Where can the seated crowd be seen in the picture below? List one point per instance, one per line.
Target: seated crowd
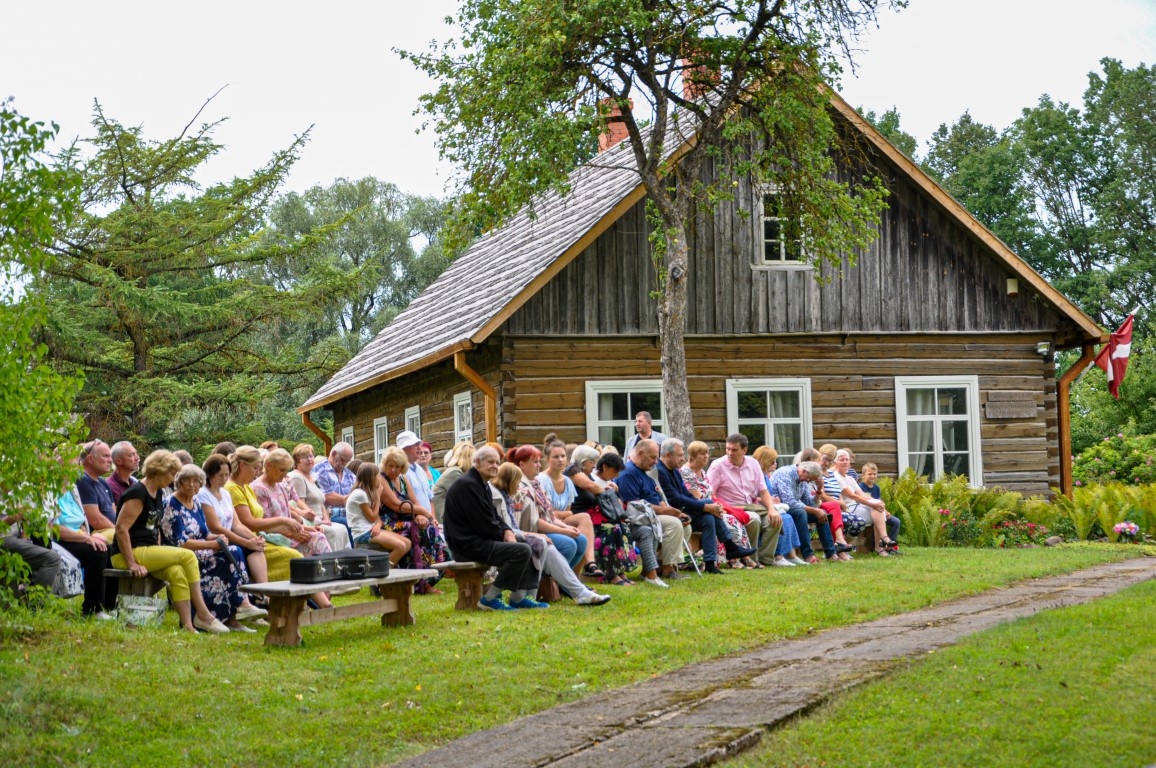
(567, 512)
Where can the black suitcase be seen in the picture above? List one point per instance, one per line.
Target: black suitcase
(332, 566)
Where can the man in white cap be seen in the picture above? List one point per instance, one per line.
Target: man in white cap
(415, 477)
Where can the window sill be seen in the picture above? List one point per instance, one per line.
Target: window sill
(784, 267)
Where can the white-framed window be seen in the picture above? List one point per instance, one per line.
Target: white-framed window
(347, 437)
(380, 438)
(774, 412)
(463, 417)
(611, 406)
(937, 425)
(782, 236)
(413, 419)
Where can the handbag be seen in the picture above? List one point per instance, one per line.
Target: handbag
(611, 506)
(277, 539)
(70, 578)
(141, 611)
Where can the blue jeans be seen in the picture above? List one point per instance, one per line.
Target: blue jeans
(713, 530)
(799, 516)
(789, 537)
(573, 550)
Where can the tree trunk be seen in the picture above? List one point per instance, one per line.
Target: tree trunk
(672, 339)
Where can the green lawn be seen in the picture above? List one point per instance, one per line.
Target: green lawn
(1071, 687)
(75, 692)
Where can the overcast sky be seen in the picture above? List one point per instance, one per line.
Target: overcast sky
(291, 65)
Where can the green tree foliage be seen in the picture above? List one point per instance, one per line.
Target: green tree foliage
(531, 83)
(888, 125)
(1072, 189)
(151, 293)
(1097, 415)
(984, 171)
(377, 233)
(37, 425)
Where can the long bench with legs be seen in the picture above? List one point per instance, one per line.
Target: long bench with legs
(287, 601)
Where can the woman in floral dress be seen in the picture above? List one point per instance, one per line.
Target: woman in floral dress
(400, 514)
(273, 498)
(183, 525)
(694, 475)
(614, 553)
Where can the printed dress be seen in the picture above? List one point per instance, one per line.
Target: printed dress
(220, 579)
(429, 545)
(614, 553)
(275, 502)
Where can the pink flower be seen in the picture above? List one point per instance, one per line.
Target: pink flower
(1078, 483)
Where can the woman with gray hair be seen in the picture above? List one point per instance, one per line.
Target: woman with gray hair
(222, 564)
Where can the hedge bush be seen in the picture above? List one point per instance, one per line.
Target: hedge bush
(1129, 460)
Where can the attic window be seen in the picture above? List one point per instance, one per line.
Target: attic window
(782, 236)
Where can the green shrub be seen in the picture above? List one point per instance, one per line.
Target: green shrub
(1014, 533)
(961, 528)
(1119, 459)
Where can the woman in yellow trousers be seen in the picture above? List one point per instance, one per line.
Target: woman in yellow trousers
(135, 546)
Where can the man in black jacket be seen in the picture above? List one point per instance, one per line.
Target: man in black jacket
(475, 531)
(705, 516)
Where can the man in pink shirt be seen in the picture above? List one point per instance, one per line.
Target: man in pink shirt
(737, 479)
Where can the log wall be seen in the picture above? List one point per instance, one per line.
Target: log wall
(923, 273)
(433, 390)
(852, 389)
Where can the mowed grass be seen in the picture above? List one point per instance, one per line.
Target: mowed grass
(1070, 687)
(83, 693)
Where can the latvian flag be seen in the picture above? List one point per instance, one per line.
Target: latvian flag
(1113, 357)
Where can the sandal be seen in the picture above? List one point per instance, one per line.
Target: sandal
(736, 565)
(883, 553)
(593, 571)
(753, 564)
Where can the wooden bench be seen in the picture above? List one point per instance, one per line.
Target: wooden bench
(145, 586)
(469, 577)
(287, 601)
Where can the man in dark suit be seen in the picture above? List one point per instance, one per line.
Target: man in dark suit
(475, 531)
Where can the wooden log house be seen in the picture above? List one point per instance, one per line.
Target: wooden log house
(935, 351)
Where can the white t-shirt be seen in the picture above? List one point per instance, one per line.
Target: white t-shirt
(358, 524)
(222, 506)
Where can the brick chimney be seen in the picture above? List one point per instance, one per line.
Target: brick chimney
(615, 131)
(697, 80)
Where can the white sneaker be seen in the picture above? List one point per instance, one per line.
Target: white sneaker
(591, 597)
(241, 628)
(783, 563)
(797, 561)
(103, 616)
(657, 582)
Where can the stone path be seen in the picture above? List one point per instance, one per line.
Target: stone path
(704, 712)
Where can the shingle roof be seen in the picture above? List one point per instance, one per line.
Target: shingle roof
(452, 312)
(497, 272)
